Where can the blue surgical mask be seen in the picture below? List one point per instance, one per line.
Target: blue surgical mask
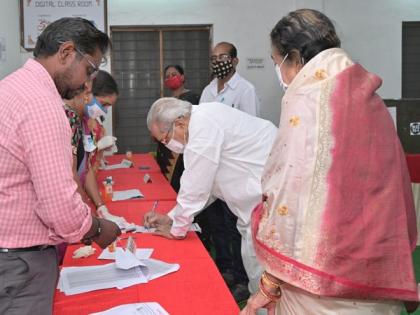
(280, 77)
(95, 109)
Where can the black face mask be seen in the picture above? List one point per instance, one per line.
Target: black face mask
(221, 69)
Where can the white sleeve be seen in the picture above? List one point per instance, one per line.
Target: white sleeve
(201, 159)
(249, 102)
(206, 96)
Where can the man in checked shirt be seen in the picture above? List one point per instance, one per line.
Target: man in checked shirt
(39, 205)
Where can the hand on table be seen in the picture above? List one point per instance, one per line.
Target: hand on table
(257, 301)
(152, 219)
(165, 231)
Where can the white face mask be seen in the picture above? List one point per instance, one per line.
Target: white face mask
(174, 145)
(283, 84)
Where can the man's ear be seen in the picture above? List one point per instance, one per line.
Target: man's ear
(66, 52)
(235, 61)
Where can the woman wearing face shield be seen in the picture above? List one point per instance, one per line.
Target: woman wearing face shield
(337, 227)
(86, 113)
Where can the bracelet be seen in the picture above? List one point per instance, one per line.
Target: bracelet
(270, 282)
(268, 295)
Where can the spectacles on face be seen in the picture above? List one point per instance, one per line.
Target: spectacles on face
(221, 57)
(93, 70)
(166, 138)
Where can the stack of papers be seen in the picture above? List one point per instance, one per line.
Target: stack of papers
(151, 308)
(123, 164)
(126, 194)
(75, 280)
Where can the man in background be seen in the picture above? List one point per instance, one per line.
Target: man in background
(229, 88)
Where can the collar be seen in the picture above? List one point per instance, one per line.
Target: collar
(232, 83)
(42, 75)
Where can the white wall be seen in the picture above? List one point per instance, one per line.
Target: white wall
(370, 31)
(246, 23)
(10, 31)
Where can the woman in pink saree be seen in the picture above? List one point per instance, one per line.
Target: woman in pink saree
(337, 226)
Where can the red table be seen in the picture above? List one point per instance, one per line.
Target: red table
(158, 189)
(140, 160)
(197, 288)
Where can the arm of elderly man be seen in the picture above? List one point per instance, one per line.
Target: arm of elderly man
(201, 159)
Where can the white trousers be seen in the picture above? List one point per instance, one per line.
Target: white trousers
(252, 267)
(295, 301)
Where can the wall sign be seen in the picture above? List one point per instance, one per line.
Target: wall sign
(35, 15)
(254, 63)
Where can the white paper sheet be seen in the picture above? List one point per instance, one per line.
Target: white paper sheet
(151, 308)
(127, 194)
(124, 259)
(141, 253)
(123, 164)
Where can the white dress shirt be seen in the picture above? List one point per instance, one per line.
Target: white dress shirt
(237, 93)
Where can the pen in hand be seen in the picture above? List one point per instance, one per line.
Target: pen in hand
(153, 211)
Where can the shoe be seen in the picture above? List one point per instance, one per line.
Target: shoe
(240, 292)
(229, 279)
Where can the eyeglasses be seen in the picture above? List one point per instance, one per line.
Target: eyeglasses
(221, 57)
(164, 139)
(93, 71)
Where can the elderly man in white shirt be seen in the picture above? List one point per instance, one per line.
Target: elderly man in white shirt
(224, 154)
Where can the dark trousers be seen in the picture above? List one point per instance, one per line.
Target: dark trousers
(27, 282)
(226, 240)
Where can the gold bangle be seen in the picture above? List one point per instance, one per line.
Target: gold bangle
(268, 295)
(271, 282)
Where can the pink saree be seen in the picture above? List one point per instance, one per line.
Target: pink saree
(339, 217)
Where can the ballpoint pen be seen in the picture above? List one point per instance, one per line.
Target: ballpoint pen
(153, 211)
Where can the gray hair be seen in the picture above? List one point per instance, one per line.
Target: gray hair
(304, 33)
(166, 110)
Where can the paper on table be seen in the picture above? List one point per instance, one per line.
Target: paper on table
(123, 164)
(124, 259)
(141, 253)
(74, 280)
(141, 229)
(127, 194)
(151, 308)
(154, 268)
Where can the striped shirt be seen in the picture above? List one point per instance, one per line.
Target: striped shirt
(38, 199)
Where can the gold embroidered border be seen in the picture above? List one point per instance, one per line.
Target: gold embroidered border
(316, 201)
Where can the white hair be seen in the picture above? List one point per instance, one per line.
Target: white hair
(166, 110)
